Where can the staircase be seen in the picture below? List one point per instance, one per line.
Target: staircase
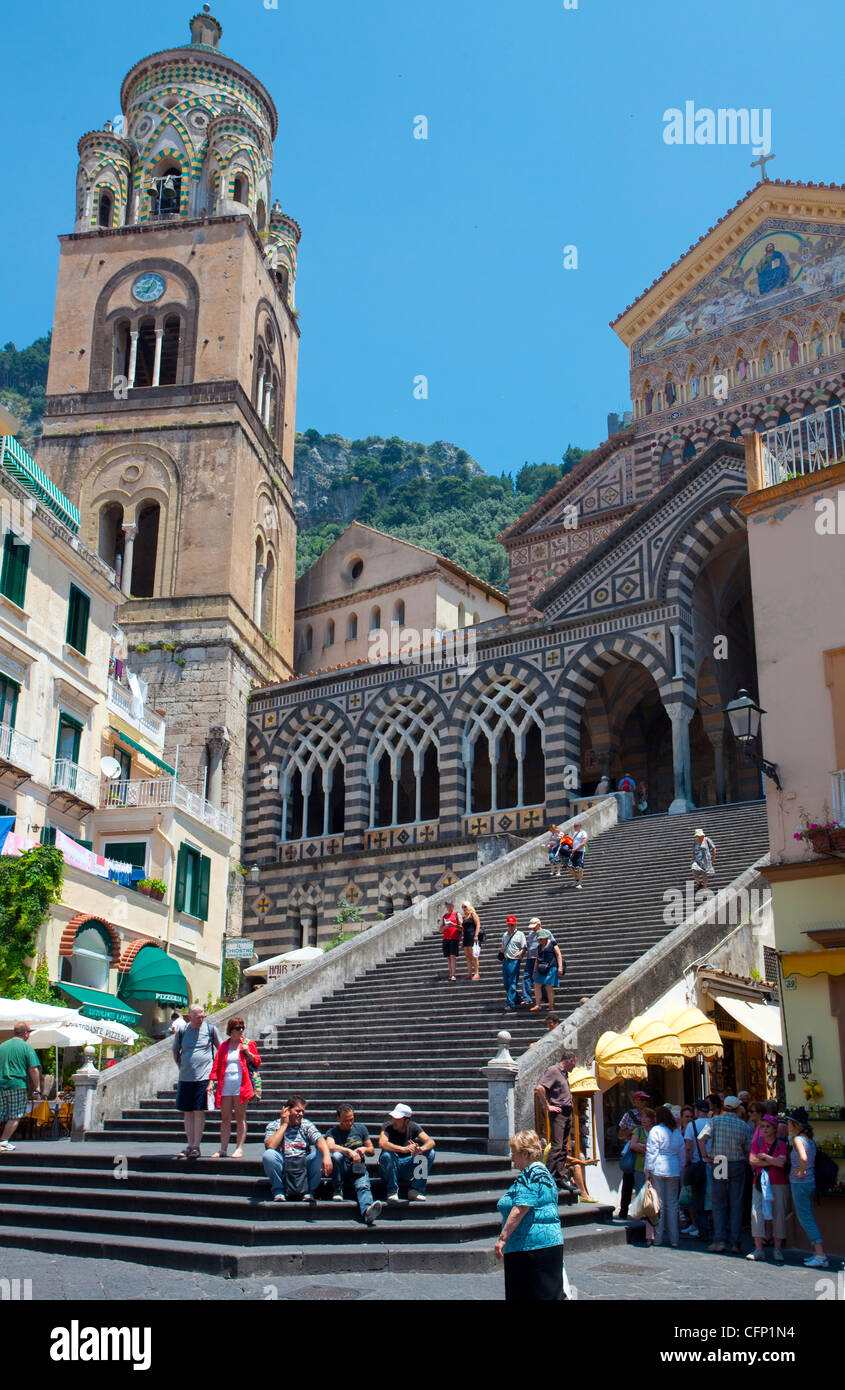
(399, 1032)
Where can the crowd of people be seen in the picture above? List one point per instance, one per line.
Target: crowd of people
(719, 1165)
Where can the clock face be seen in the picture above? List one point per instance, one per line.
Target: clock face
(148, 287)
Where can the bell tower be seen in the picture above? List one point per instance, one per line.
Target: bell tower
(172, 391)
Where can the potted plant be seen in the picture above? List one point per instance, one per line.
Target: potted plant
(152, 888)
(821, 835)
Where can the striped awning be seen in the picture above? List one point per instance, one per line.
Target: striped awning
(17, 461)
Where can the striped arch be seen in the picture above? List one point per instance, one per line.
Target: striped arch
(302, 715)
(487, 672)
(412, 688)
(685, 557)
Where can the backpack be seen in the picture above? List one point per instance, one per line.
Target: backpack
(826, 1171)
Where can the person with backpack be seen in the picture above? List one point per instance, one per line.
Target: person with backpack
(802, 1182)
(769, 1160)
(194, 1049)
(548, 969)
(232, 1075)
(554, 852)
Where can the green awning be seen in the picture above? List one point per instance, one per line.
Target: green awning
(154, 975)
(97, 1004)
(139, 748)
(17, 461)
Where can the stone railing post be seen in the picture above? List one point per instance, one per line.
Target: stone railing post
(501, 1074)
(84, 1088)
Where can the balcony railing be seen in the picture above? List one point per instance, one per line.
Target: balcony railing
(16, 749)
(165, 791)
(68, 777)
(151, 725)
(838, 789)
(803, 446)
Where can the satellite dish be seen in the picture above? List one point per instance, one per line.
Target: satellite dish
(110, 768)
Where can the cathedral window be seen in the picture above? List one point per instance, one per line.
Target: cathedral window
(240, 190)
(268, 595)
(169, 354)
(145, 551)
(313, 786)
(403, 765)
(329, 640)
(503, 749)
(145, 359)
(110, 544)
(165, 193)
(375, 619)
(105, 209)
(352, 627)
(399, 612)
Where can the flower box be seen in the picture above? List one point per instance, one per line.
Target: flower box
(837, 839)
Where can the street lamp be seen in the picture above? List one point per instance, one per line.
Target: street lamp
(744, 716)
(254, 875)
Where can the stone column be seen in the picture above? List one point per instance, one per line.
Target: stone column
(260, 571)
(259, 406)
(157, 361)
(501, 1075)
(133, 358)
(680, 716)
(217, 744)
(85, 1087)
(129, 533)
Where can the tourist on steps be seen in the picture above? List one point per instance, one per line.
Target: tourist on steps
(703, 859)
(548, 969)
(194, 1050)
(350, 1145)
(579, 849)
(554, 1083)
(231, 1073)
(554, 851)
(450, 927)
(471, 940)
(514, 947)
(296, 1156)
(406, 1154)
(530, 961)
(531, 1238)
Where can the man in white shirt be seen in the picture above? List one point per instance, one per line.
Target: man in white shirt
(576, 859)
(514, 947)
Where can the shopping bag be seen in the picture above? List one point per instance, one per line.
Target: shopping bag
(651, 1204)
(635, 1210)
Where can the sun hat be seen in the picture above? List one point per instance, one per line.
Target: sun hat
(731, 1103)
(401, 1112)
(543, 934)
(535, 922)
(699, 831)
(511, 922)
(798, 1115)
(641, 1095)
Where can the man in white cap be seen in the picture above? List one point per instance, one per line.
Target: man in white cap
(406, 1154)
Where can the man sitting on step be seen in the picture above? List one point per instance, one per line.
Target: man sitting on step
(407, 1153)
(349, 1145)
(296, 1156)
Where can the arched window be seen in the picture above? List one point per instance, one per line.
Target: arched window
(375, 619)
(313, 785)
(352, 627)
(261, 214)
(503, 749)
(329, 642)
(309, 638)
(399, 612)
(165, 192)
(105, 209)
(240, 189)
(403, 765)
(110, 543)
(89, 964)
(268, 594)
(169, 361)
(145, 552)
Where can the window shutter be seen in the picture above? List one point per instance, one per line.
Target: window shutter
(79, 606)
(181, 864)
(85, 844)
(48, 835)
(14, 571)
(204, 880)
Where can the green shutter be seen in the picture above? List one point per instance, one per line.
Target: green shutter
(85, 844)
(202, 896)
(9, 691)
(48, 835)
(132, 852)
(14, 570)
(65, 722)
(181, 869)
(79, 606)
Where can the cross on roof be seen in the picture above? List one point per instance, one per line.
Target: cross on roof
(762, 162)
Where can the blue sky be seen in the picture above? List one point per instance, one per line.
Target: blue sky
(444, 257)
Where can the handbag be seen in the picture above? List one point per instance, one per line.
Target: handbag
(628, 1159)
(254, 1073)
(651, 1204)
(635, 1210)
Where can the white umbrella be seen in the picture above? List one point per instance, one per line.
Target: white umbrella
(62, 1035)
(14, 1011)
(298, 957)
(108, 1029)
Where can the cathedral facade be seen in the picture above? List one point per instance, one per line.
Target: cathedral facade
(631, 622)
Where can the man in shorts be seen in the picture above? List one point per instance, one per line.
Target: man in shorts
(194, 1048)
(19, 1078)
(576, 858)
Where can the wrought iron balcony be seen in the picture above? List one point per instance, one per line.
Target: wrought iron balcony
(803, 446)
(162, 792)
(16, 750)
(74, 782)
(152, 726)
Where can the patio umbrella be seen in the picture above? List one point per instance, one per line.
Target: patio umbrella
(107, 1029)
(14, 1011)
(297, 957)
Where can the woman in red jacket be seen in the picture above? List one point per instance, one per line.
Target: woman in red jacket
(232, 1073)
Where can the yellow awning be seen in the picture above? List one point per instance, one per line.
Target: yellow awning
(582, 1082)
(811, 963)
(658, 1043)
(617, 1056)
(695, 1032)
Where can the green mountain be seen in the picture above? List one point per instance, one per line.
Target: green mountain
(434, 495)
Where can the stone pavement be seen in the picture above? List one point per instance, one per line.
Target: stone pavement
(630, 1272)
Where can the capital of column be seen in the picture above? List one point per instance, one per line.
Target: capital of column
(130, 530)
(218, 739)
(679, 712)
